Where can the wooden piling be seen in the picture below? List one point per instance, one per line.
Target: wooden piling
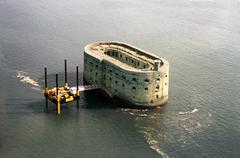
(77, 87)
(46, 87)
(65, 67)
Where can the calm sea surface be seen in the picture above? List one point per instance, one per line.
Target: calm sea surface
(200, 39)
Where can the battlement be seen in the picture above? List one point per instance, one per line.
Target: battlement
(127, 72)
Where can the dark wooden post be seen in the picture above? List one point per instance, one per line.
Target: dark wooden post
(57, 92)
(65, 66)
(77, 87)
(46, 87)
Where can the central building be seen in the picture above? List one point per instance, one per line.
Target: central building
(126, 74)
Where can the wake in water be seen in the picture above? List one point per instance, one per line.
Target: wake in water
(170, 128)
(25, 78)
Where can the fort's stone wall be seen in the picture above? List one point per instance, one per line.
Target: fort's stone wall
(147, 87)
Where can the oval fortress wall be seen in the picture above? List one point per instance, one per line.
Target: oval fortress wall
(136, 81)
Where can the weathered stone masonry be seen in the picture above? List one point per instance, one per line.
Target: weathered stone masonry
(126, 72)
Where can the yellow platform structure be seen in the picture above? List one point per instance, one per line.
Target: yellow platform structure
(59, 95)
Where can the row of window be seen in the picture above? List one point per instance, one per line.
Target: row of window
(115, 54)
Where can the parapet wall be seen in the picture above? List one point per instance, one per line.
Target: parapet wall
(141, 86)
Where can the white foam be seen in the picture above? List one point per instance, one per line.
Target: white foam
(25, 78)
(149, 135)
(194, 110)
(188, 112)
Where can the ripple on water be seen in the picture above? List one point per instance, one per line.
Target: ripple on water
(159, 129)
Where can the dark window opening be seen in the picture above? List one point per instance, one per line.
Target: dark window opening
(144, 66)
(132, 61)
(165, 83)
(137, 63)
(96, 73)
(116, 82)
(134, 88)
(120, 55)
(96, 66)
(134, 79)
(123, 85)
(146, 89)
(124, 77)
(110, 78)
(126, 58)
(146, 80)
(158, 79)
(157, 96)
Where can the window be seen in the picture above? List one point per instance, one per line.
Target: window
(146, 80)
(110, 78)
(157, 96)
(132, 61)
(144, 66)
(110, 70)
(108, 53)
(158, 79)
(105, 52)
(134, 79)
(137, 63)
(120, 55)
(126, 59)
(146, 88)
(96, 73)
(134, 88)
(96, 66)
(123, 85)
(123, 77)
(115, 82)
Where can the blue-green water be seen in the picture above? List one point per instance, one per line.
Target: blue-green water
(200, 39)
